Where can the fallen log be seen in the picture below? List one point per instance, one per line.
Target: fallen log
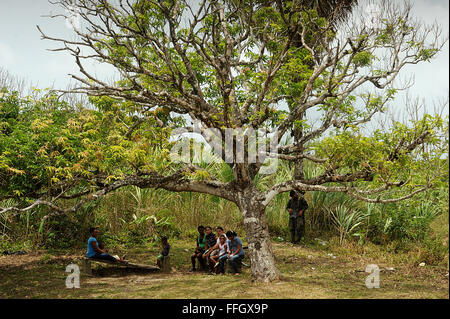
(88, 270)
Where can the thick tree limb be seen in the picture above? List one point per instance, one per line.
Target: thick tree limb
(177, 182)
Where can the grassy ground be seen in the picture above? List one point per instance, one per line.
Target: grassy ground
(310, 271)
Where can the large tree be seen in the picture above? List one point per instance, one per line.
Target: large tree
(237, 64)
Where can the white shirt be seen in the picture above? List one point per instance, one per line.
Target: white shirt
(222, 249)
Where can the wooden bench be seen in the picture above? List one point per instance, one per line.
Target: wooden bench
(87, 269)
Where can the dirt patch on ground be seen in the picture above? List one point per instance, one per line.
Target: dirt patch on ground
(18, 260)
(34, 258)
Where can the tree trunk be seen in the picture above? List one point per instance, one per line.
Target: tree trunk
(298, 164)
(259, 244)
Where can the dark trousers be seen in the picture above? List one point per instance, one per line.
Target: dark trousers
(297, 228)
(104, 257)
(234, 261)
(198, 255)
(222, 261)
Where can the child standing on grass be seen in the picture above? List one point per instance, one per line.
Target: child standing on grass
(164, 252)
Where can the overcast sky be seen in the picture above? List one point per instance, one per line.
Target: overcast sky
(24, 54)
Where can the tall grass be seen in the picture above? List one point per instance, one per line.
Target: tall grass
(346, 221)
(138, 215)
(140, 210)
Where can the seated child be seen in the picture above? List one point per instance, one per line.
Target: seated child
(214, 251)
(97, 251)
(214, 260)
(164, 252)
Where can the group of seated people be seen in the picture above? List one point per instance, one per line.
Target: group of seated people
(212, 252)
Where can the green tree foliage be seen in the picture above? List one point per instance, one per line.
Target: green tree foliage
(47, 143)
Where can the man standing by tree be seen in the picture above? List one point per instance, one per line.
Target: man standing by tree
(296, 207)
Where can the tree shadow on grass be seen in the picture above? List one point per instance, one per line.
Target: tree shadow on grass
(120, 272)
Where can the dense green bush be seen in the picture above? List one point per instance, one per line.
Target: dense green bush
(406, 220)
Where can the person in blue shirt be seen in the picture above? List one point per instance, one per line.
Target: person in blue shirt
(235, 253)
(95, 252)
